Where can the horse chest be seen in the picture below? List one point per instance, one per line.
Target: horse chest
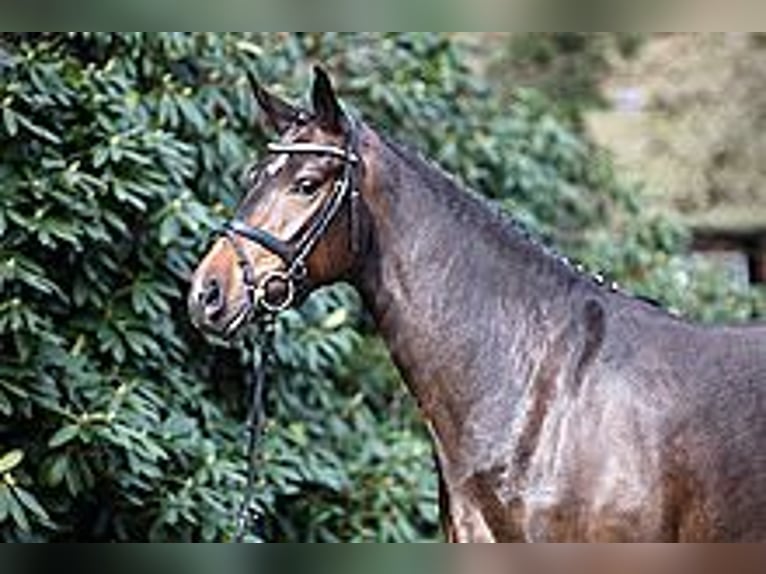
(570, 491)
(480, 512)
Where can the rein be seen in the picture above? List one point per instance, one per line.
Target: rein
(256, 419)
(294, 256)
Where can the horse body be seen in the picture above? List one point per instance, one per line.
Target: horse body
(559, 409)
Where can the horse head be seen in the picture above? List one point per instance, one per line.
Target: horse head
(297, 226)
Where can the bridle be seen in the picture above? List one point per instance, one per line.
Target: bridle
(295, 273)
(294, 255)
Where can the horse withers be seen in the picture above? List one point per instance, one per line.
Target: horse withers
(560, 410)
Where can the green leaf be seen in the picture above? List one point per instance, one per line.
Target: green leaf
(38, 130)
(169, 230)
(335, 319)
(32, 504)
(73, 480)
(9, 120)
(64, 435)
(18, 514)
(6, 407)
(14, 389)
(100, 155)
(56, 470)
(11, 460)
(5, 494)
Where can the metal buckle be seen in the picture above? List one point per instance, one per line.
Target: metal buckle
(262, 293)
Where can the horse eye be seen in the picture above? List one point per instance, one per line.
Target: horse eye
(307, 186)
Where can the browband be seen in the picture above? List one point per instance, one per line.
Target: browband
(307, 147)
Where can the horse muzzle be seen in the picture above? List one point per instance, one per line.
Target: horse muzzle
(216, 311)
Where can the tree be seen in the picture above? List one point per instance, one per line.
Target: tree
(568, 67)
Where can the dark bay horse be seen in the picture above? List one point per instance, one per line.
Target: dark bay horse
(559, 409)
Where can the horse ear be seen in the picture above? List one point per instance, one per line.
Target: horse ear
(327, 109)
(279, 114)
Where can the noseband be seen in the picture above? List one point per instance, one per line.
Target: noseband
(294, 254)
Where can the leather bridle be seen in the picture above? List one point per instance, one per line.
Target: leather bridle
(293, 275)
(294, 254)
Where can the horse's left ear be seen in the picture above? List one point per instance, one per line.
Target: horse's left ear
(327, 109)
(279, 114)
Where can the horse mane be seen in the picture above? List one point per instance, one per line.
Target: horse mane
(474, 208)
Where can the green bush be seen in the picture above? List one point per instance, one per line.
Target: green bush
(568, 67)
(121, 153)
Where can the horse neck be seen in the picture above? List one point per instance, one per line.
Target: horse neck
(464, 300)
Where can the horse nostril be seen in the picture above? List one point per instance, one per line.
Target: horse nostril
(212, 299)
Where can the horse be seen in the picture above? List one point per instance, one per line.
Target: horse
(559, 409)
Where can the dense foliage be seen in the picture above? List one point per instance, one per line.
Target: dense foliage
(120, 154)
(568, 67)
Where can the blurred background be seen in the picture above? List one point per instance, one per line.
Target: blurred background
(638, 155)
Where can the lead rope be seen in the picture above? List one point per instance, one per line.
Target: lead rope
(259, 363)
